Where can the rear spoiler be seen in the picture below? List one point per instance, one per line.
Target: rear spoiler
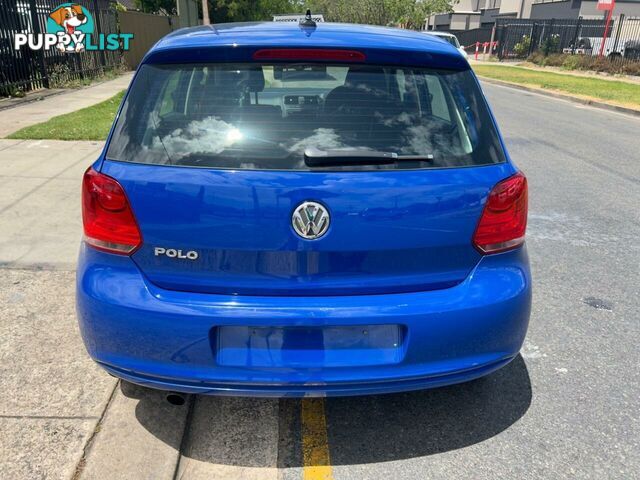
(245, 53)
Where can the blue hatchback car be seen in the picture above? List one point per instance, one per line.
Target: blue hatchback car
(300, 210)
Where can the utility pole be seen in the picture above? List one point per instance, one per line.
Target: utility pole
(205, 12)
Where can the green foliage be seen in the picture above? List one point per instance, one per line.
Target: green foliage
(551, 44)
(403, 13)
(568, 61)
(412, 13)
(522, 47)
(59, 74)
(571, 62)
(631, 68)
(537, 58)
(157, 6)
(554, 60)
(12, 91)
(601, 64)
(222, 11)
(612, 91)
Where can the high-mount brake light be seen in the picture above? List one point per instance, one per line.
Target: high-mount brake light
(319, 54)
(504, 219)
(109, 224)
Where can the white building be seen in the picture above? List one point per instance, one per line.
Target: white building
(470, 14)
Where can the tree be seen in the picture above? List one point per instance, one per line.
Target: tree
(403, 13)
(412, 13)
(166, 7)
(206, 18)
(252, 10)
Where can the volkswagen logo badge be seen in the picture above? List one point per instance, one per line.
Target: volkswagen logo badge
(310, 220)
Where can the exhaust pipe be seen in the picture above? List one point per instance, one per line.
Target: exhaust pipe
(175, 398)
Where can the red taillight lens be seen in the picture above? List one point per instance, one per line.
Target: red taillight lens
(309, 54)
(504, 219)
(109, 223)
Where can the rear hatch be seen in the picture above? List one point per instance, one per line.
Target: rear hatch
(216, 159)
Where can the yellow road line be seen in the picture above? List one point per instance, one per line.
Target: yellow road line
(315, 445)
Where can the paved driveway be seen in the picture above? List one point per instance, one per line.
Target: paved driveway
(566, 408)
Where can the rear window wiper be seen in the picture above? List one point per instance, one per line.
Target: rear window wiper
(314, 157)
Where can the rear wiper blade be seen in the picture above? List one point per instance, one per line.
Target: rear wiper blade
(314, 157)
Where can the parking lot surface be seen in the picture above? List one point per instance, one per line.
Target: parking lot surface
(567, 407)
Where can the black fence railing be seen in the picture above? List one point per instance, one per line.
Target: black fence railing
(469, 38)
(519, 38)
(26, 69)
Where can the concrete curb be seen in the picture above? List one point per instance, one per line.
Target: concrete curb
(563, 96)
(13, 102)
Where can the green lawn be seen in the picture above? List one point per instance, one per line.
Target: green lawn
(621, 93)
(91, 123)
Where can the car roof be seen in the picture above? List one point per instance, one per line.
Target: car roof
(253, 35)
(440, 34)
(288, 33)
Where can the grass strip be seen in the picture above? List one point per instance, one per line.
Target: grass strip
(90, 123)
(610, 91)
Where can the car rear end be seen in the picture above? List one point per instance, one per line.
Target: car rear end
(293, 217)
(452, 39)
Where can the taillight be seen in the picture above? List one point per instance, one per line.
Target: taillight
(504, 219)
(109, 224)
(309, 54)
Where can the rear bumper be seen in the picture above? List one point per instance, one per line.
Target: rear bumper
(171, 340)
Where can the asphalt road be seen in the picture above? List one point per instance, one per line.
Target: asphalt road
(568, 407)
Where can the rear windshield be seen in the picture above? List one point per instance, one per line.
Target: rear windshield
(266, 116)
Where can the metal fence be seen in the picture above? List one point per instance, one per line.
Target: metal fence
(26, 69)
(519, 38)
(469, 38)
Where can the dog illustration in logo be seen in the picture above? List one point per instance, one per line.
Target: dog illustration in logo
(69, 18)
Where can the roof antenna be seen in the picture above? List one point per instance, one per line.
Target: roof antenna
(308, 21)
